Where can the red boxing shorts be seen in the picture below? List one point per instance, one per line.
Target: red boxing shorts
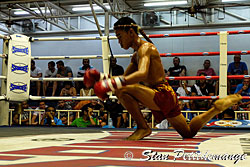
(166, 100)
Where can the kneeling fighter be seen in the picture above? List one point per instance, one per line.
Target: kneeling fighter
(144, 82)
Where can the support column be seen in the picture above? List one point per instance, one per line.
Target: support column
(4, 105)
(223, 65)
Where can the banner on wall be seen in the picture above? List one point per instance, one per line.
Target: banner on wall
(18, 75)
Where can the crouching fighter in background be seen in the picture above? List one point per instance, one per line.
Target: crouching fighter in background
(144, 82)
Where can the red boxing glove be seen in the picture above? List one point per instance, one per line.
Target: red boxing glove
(91, 76)
(102, 87)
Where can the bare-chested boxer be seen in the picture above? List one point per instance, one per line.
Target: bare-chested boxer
(144, 82)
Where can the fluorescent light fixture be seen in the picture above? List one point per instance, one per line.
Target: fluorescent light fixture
(22, 12)
(87, 7)
(169, 3)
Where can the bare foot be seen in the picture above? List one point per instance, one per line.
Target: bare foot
(139, 134)
(224, 103)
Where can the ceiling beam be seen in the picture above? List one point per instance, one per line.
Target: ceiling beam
(37, 15)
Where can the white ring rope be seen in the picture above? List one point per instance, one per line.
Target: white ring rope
(67, 97)
(67, 57)
(65, 39)
(2, 77)
(56, 79)
(2, 97)
(2, 56)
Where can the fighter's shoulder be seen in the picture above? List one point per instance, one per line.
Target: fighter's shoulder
(147, 48)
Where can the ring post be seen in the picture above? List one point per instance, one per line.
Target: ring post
(18, 75)
(4, 104)
(223, 65)
(105, 54)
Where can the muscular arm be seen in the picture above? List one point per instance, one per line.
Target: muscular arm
(131, 67)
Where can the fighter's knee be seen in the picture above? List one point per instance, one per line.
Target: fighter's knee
(121, 92)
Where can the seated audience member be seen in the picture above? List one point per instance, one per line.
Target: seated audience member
(24, 115)
(84, 91)
(68, 89)
(49, 117)
(62, 72)
(49, 73)
(35, 72)
(228, 114)
(115, 110)
(86, 118)
(115, 68)
(177, 70)
(81, 71)
(244, 90)
(94, 105)
(35, 117)
(201, 88)
(236, 68)
(241, 116)
(62, 105)
(207, 70)
(184, 90)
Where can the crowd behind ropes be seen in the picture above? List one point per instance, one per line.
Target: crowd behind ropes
(112, 108)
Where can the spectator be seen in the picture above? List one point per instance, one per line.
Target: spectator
(207, 70)
(177, 70)
(49, 117)
(64, 114)
(81, 71)
(115, 68)
(241, 116)
(68, 89)
(115, 110)
(236, 68)
(49, 73)
(24, 115)
(184, 90)
(244, 90)
(86, 118)
(201, 88)
(35, 117)
(62, 71)
(36, 72)
(95, 105)
(86, 91)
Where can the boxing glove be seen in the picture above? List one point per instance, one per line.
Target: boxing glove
(102, 87)
(91, 76)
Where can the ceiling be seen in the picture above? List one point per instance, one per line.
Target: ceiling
(59, 11)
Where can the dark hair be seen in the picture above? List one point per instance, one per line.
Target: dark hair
(33, 62)
(68, 83)
(52, 63)
(46, 109)
(60, 62)
(177, 58)
(125, 23)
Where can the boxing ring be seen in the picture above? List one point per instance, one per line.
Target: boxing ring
(58, 146)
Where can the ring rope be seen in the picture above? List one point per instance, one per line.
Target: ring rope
(65, 39)
(167, 78)
(114, 97)
(67, 57)
(244, 52)
(2, 56)
(150, 36)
